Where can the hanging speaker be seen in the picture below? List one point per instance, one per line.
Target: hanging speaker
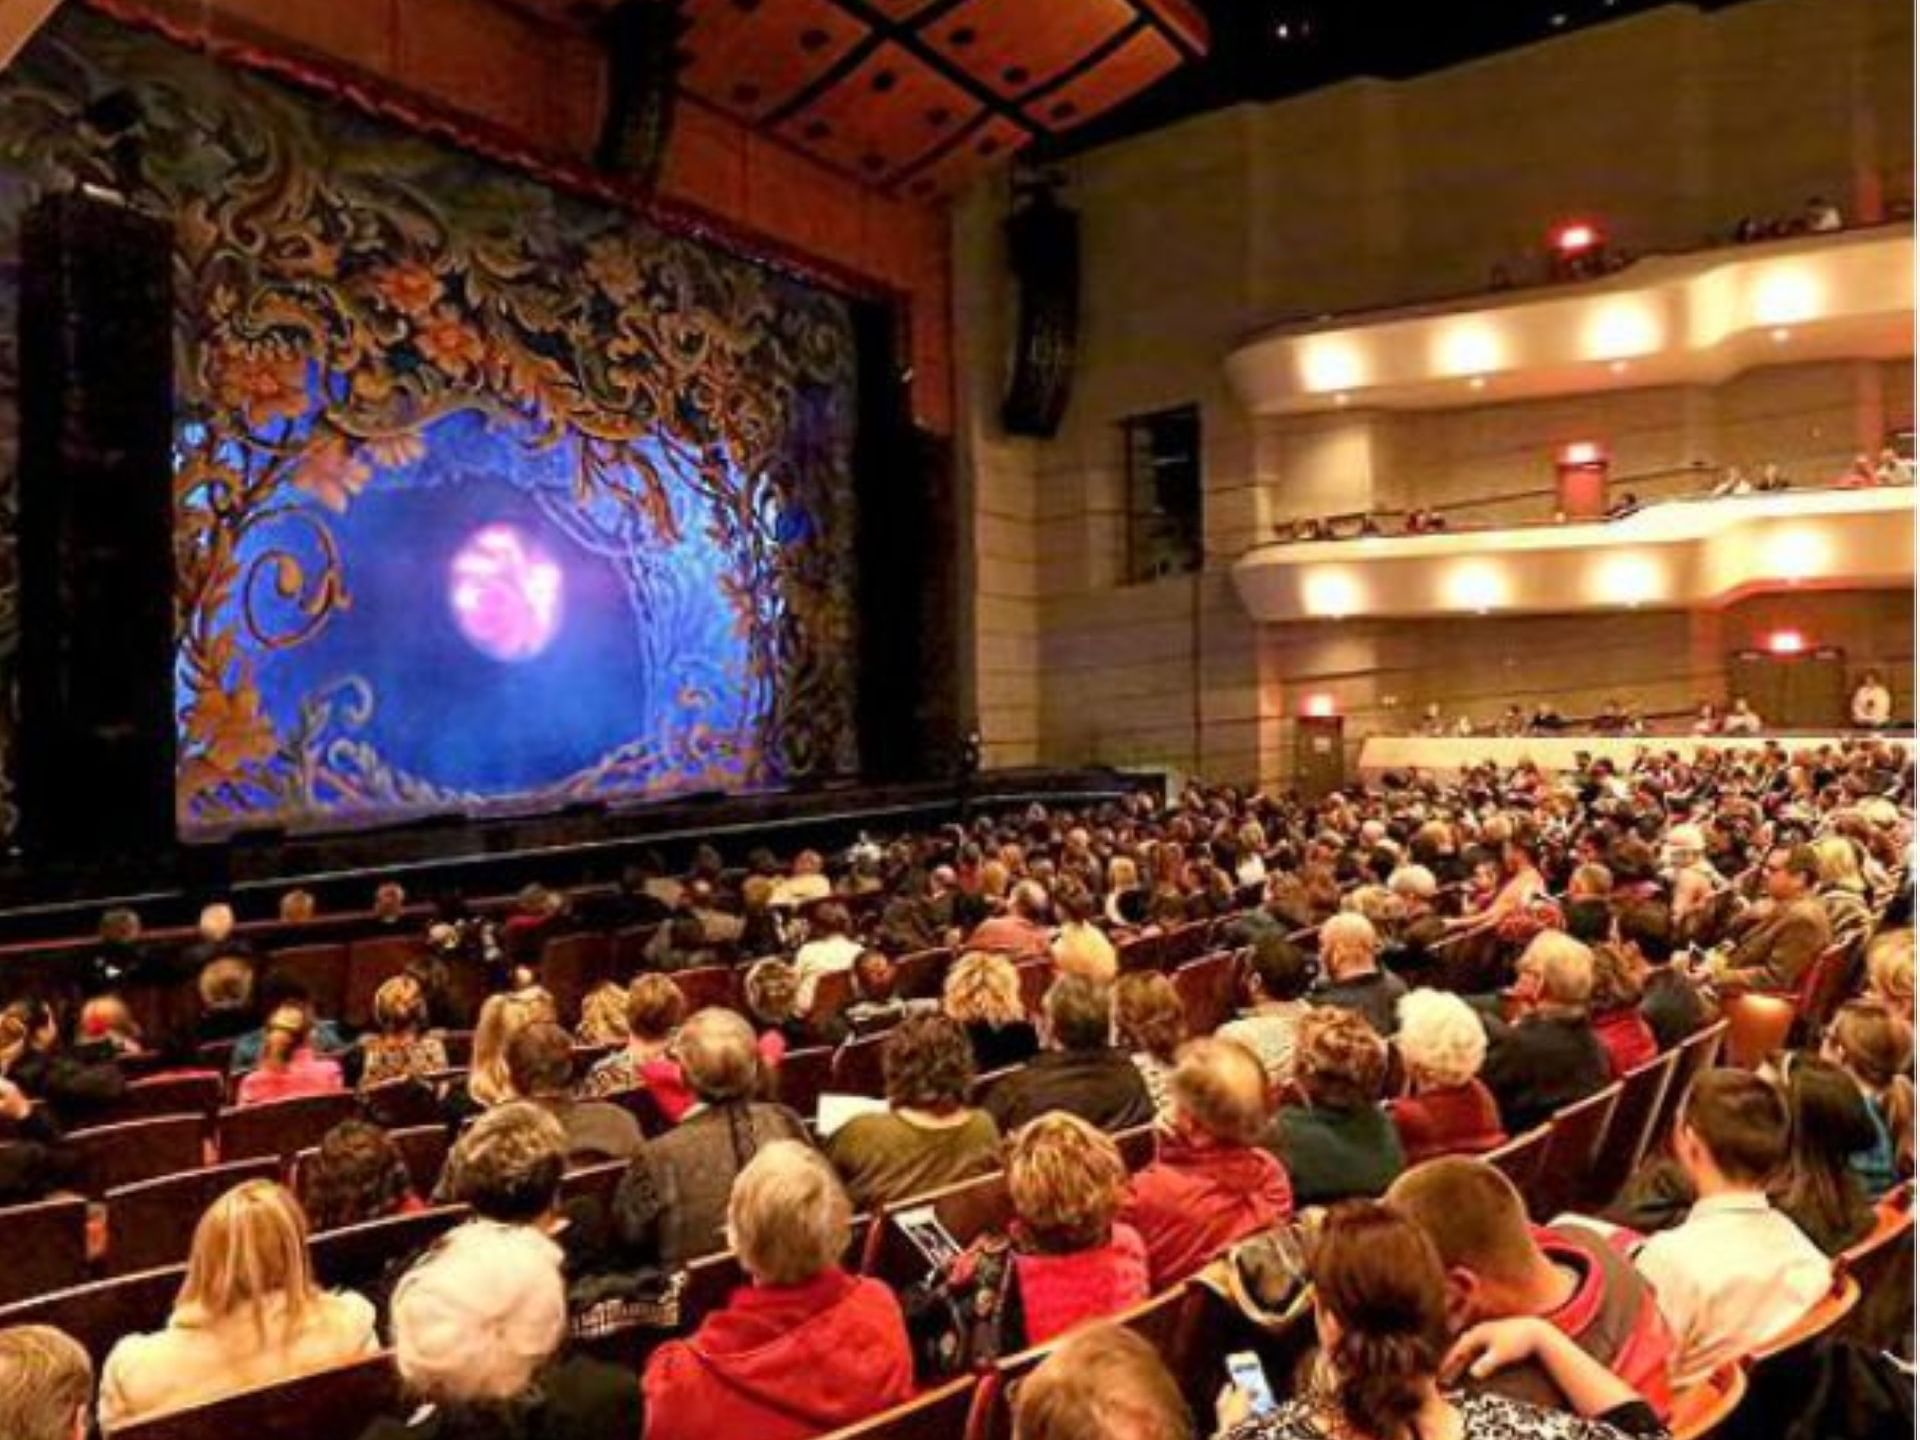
(642, 39)
(96, 530)
(1043, 249)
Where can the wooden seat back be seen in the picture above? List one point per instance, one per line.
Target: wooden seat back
(46, 1247)
(324, 1405)
(1574, 1136)
(150, 1222)
(108, 1156)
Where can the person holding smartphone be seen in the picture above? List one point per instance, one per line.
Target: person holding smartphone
(1386, 1370)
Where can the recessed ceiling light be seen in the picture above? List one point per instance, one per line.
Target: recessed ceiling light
(1781, 334)
(1342, 398)
(1283, 31)
(1557, 21)
(1478, 382)
(1618, 367)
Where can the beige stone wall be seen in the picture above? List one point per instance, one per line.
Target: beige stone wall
(1666, 127)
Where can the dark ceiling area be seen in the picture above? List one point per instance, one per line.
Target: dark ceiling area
(1271, 49)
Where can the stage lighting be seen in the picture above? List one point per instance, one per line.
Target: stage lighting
(1786, 642)
(505, 592)
(1575, 238)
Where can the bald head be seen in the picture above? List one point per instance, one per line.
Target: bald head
(1348, 945)
(716, 1049)
(1219, 1088)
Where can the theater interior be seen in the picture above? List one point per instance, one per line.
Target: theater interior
(996, 719)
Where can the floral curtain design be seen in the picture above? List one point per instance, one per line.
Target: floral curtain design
(373, 328)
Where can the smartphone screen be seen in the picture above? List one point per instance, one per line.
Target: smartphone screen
(1250, 1379)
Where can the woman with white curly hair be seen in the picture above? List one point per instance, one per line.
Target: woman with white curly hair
(1447, 1111)
(476, 1327)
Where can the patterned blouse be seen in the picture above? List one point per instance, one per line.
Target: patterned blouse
(386, 1060)
(1482, 1417)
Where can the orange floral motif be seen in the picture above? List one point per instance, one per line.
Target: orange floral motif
(449, 342)
(264, 383)
(410, 288)
(231, 728)
(332, 474)
(610, 265)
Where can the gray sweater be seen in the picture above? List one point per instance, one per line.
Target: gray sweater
(672, 1203)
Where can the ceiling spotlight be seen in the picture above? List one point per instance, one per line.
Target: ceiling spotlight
(1559, 19)
(1283, 31)
(1781, 334)
(1618, 367)
(1478, 382)
(1342, 399)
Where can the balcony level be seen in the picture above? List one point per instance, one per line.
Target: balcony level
(1687, 319)
(1673, 555)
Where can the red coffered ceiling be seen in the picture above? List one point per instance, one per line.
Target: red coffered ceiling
(913, 96)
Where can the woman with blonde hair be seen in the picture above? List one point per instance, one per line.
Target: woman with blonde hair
(403, 1045)
(603, 1016)
(1890, 971)
(502, 1017)
(982, 992)
(1842, 891)
(288, 1067)
(249, 1314)
(1123, 879)
(1073, 1260)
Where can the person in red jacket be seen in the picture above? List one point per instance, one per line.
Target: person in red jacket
(806, 1348)
(1209, 1184)
(1499, 1266)
(1615, 1008)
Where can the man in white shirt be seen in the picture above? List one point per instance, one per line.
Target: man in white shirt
(1736, 1273)
(833, 951)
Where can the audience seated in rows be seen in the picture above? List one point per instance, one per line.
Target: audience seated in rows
(1335, 1140)
(671, 1206)
(355, 1175)
(805, 1347)
(1380, 1313)
(1498, 1266)
(1149, 1022)
(1273, 991)
(982, 992)
(248, 1314)
(478, 1331)
(1447, 1110)
(1209, 1184)
(540, 1068)
(930, 1136)
(1080, 1071)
